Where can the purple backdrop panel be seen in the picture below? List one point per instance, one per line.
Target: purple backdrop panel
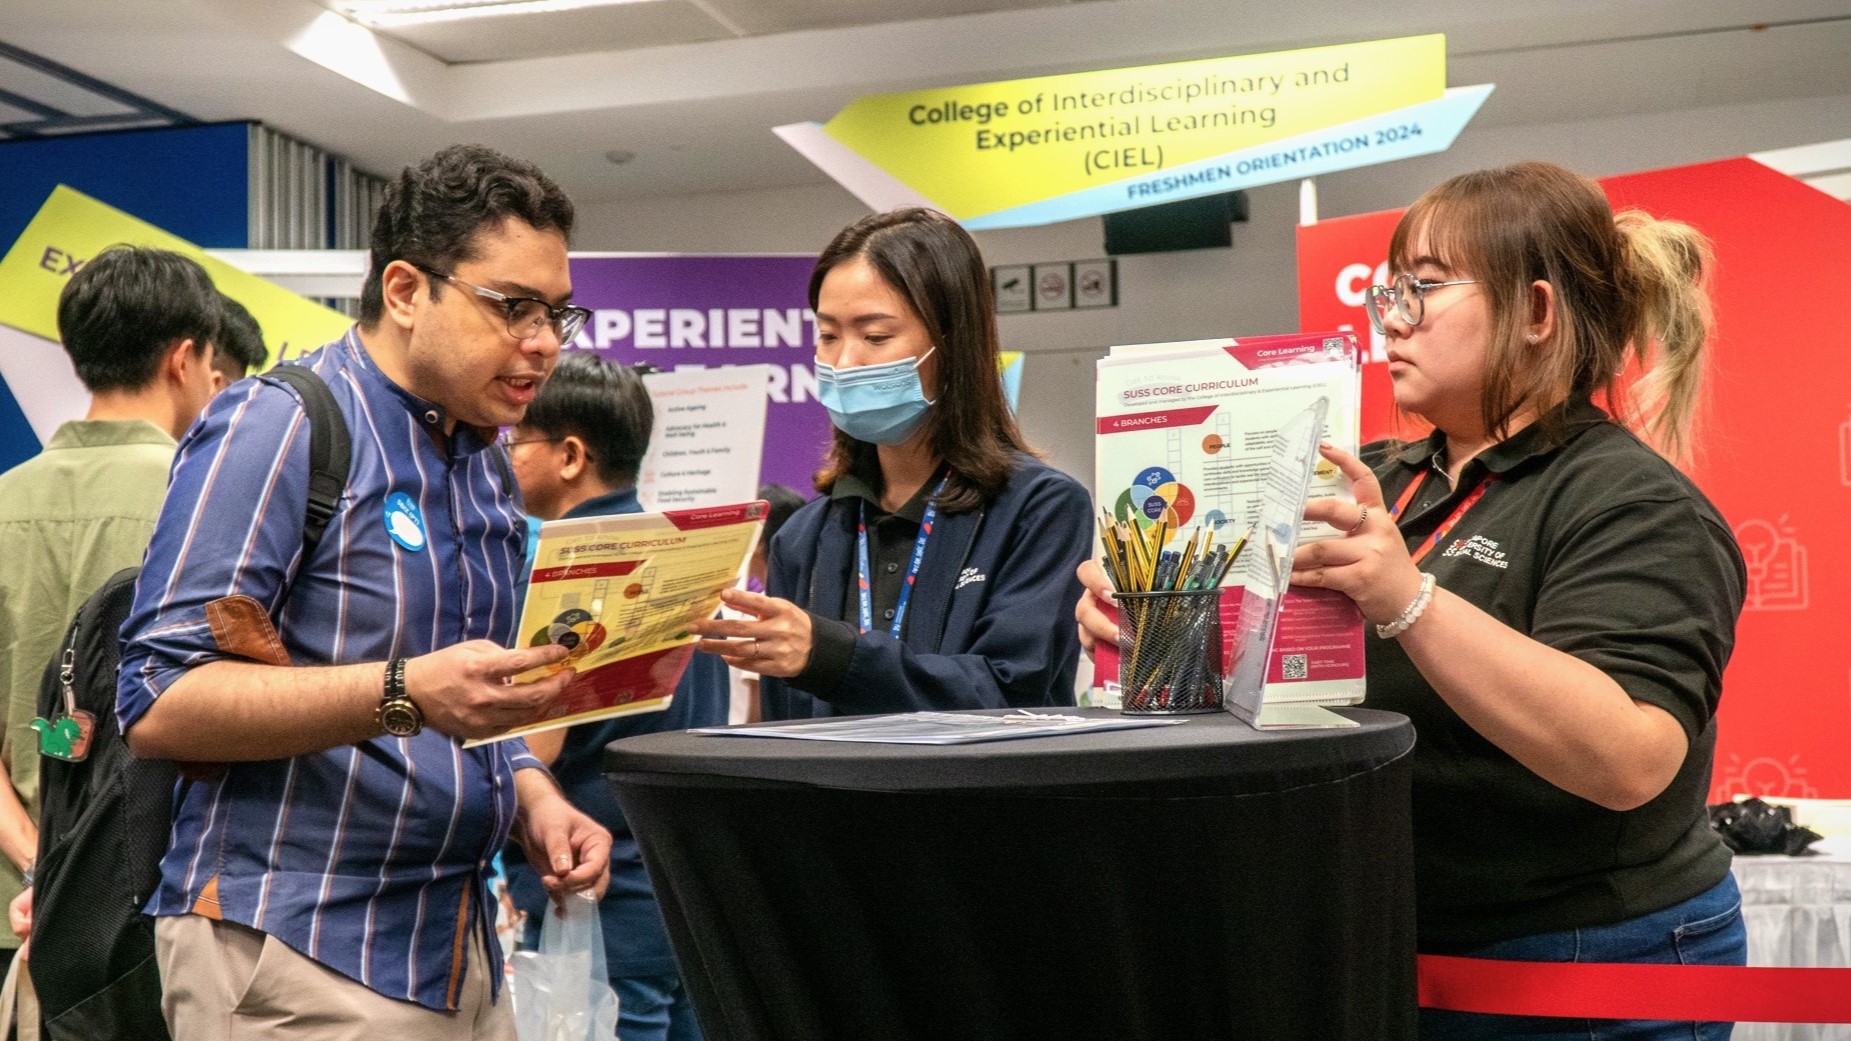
(681, 312)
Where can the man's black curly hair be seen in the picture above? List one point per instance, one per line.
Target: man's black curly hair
(431, 213)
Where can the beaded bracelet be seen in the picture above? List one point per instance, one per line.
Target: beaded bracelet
(1411, 613)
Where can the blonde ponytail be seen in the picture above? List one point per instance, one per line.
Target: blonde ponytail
(1669, 334)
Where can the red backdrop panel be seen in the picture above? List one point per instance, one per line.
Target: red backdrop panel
(1775, 447)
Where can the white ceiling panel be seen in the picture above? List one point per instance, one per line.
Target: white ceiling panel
(49, 90)
(764, 17)
(619, 27)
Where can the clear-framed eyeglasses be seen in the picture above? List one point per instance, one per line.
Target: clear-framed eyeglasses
(1407, 298)
(527, 315)
(508, 441)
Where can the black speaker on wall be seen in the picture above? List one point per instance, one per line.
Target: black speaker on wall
(1203, 223)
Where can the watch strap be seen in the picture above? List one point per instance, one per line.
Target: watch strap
(395, 680)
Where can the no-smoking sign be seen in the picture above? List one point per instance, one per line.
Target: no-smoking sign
(1053, 287)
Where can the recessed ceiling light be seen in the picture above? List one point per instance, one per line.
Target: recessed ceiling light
(389, 13)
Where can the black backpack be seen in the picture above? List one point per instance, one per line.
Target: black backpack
(104, 820)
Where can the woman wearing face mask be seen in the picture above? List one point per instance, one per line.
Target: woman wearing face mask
(1552, 601)
(921, 578)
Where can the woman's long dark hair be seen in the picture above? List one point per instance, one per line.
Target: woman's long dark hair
(932, 262)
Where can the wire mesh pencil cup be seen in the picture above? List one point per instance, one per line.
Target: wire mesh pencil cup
(1170, 657)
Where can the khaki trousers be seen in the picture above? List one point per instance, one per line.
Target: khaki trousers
(225, 982)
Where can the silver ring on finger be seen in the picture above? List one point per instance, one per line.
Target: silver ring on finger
(1361, 519)
(754, 655)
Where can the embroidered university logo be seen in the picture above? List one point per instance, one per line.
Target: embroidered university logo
(1479, 548)
(969, 576)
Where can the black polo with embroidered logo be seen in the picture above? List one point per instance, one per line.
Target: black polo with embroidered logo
(1598, 547)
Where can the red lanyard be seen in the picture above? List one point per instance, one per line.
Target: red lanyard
(1439, 533)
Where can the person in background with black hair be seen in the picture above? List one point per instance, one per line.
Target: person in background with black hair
(922, 578)
(784, 503)
(239, 350)
(139, 325)
(577, 454)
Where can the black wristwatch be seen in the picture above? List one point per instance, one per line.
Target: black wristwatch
(398, 714)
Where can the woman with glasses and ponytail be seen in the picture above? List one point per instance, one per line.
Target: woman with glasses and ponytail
(922, 577)
(1551, 600)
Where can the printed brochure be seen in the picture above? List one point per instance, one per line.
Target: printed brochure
(1186, 434)
(620, 592)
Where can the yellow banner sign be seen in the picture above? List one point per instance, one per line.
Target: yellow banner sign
(994, 147)
(72, 227)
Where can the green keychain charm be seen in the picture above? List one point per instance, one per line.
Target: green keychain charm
(66, 737)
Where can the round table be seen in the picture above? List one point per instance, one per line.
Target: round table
(1180, 883)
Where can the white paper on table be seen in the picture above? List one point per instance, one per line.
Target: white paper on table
(942, 728)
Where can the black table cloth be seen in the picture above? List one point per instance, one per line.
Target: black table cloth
(1178, 883)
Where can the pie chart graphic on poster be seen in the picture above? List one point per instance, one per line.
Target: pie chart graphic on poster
(1156, 495)
(574, 629)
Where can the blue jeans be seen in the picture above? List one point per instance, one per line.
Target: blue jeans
(654, 1008)
(1704, 930)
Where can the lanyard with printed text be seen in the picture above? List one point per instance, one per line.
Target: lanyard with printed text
(1439, 533)
(865, 578)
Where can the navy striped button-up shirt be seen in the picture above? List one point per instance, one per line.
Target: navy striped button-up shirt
(371, 858)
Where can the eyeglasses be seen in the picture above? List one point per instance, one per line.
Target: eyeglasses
(1407, 298)
(506, 437)
(527, 315)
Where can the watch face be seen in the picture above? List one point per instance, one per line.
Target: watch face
(401, 717)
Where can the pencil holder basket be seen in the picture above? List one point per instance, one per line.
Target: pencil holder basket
(1170, 657)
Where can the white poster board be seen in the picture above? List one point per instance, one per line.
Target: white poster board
(709, 437)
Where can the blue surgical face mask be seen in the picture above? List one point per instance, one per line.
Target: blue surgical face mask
(880, 404)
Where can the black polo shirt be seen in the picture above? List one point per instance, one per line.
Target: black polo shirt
(1597, 547)
(891, 538)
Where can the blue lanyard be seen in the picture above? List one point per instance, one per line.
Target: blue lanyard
(864, 580)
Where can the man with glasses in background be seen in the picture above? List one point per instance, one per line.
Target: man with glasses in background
(326, 879)
(577, 453)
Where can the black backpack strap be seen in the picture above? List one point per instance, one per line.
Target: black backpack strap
(330, 448)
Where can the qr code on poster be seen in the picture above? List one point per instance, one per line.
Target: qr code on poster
(1295, 666)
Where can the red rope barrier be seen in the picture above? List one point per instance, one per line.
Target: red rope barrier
(1706, 993)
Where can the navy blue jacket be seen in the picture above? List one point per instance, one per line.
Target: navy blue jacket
(990, 623)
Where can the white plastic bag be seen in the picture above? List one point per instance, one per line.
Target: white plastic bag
(562, 992)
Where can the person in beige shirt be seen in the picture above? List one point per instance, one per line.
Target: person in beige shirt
(152, 340)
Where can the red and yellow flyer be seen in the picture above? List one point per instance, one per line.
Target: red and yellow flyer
(620, 592)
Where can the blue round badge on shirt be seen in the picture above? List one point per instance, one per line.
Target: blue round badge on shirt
(403, 522)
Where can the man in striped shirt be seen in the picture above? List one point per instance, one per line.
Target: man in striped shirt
(326, 880)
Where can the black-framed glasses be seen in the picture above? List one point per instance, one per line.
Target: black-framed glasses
(1407, 298)
(527, 315)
